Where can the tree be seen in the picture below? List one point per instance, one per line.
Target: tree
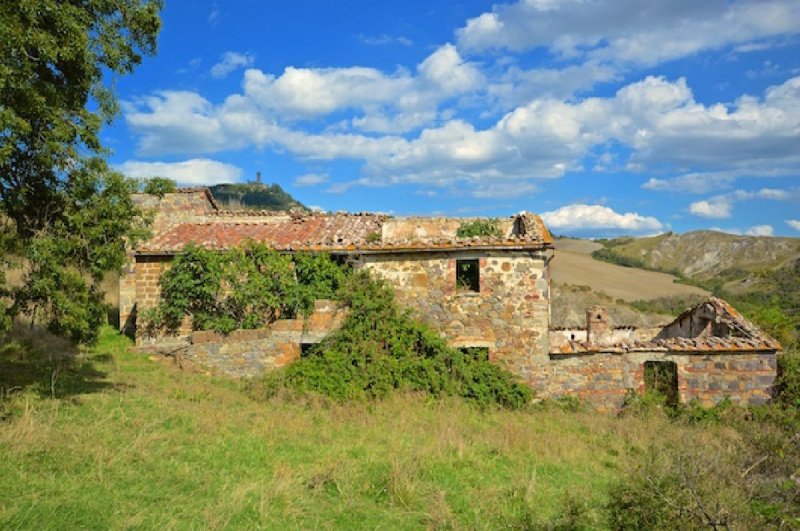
(159, 186)
(65, 216)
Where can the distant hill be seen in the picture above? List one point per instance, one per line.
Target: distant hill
(574, 265)
(703, 255)
(758, 275)
(255, 196)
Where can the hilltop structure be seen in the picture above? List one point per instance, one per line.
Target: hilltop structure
(490, 293)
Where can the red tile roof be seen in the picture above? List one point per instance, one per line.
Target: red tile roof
(340, 232)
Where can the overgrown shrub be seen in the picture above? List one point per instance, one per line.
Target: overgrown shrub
(159, 186)
(739, 470)
(787, 385)
(246, 287)
(606, 254)
(479, 228)
(381, 348)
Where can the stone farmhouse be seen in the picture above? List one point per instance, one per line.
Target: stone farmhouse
(484, 292)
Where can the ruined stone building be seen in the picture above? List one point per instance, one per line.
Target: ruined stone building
(485, 292)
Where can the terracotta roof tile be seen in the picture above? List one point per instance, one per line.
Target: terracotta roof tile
(296, 231)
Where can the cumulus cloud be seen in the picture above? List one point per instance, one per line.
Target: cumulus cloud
(794, 223)
(656, 119)
(201, 172)
(229, 62)
(628, 31)
(311, 179)
(720, 206)
(711, 209)
(760, 230)
(598, 217)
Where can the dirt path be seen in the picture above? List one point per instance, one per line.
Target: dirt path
(573, 264)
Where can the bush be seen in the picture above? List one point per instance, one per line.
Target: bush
(607, 255)
(739, 470)
(240, 288)
(479, 228)
(380, 349)
(159, 186)
(787, 385)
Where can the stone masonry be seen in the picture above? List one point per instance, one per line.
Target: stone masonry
(505, 308)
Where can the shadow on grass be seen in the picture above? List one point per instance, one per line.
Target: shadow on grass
(32, 359)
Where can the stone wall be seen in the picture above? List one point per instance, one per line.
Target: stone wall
(248, 353)
(168, 211)
(509, 314)
(603, 379)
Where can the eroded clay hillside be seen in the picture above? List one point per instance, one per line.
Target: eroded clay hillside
(707, 254)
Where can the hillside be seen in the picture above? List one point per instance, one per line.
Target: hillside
(574, 265)
(255, 196)
(703, 255)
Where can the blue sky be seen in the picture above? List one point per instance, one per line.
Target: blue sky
(605, 117)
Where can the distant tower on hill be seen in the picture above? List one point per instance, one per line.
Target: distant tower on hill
(258, 179)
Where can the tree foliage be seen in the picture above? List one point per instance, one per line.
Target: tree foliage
(65, 215)
(381, 348)
(246, 287)
(159, 186)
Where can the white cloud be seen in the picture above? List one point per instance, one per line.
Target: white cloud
(231, 61)
(201, 172)
(384, 39)
(794, 223)
(720, 206)
(311, 179)
(628, 31)
(657, 120)
(760, 230)
(446, 69)
(592, 217)
(707, 181)
(711, 209)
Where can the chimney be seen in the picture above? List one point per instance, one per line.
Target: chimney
(258, 177)
(597, 329)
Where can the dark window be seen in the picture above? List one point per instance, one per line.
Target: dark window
(479, 353)
(468, 277)
(661, 377)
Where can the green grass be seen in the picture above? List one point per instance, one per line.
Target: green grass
(137, 442)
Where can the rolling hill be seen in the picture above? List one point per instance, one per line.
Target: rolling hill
(573, 264)
(704, 255)
(255, 196)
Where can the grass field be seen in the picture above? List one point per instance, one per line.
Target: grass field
(132, 441)
(573, 264)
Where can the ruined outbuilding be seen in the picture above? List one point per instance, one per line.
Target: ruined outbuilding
(486, 292)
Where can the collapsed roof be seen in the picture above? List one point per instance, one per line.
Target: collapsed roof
(342, 232)
(712, 326)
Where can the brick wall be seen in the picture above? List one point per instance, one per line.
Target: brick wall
(509, 315)
(603, 379)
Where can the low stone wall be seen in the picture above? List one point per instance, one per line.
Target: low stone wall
(603, 379)
(248, 353)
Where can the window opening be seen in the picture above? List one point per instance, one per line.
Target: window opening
(468, 275)
(661, 377)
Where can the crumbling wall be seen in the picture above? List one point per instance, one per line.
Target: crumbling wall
(603, 379)
(248, 353)
(509, 315)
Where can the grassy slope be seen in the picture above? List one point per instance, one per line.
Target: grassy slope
(574, 265)
(705, 254)
(134, 442)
